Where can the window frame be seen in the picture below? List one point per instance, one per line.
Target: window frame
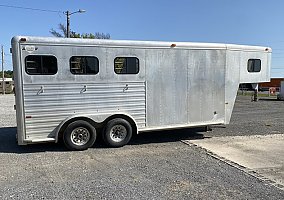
(127, 57)
(41, 73)
(97, 60)
(252, 70)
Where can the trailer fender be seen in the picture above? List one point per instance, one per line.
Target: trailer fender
(93, 119)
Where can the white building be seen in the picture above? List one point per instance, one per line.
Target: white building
(8, 85)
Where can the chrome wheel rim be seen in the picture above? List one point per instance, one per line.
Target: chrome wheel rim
(80, 136)
(118, 133)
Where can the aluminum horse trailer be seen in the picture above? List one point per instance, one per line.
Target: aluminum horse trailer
(74, 89)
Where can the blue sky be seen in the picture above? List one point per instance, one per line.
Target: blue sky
(252, 22)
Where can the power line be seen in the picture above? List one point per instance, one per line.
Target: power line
(27, 8)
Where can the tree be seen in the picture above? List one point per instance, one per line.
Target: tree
(7, 74)
(73, 34)
(62, 28)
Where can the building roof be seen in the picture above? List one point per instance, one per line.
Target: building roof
(6, 79)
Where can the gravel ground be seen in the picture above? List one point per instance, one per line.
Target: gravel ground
(263, 117)
(153, 166)
(7, 112)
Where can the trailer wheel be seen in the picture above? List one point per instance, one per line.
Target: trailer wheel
(117, 132)
(79, 135)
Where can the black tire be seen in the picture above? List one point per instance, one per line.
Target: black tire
(117, 132)
(79, 135)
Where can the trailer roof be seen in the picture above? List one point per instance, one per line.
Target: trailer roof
(133, 43)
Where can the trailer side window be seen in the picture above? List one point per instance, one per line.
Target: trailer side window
(254, 65)
(84, 65)
(126, 65)
(40, 65)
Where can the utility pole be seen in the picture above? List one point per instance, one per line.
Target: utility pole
(68, 14)
(3, 76)
(68, 23)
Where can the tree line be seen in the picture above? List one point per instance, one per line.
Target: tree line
(7, 74)
(63, 33)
